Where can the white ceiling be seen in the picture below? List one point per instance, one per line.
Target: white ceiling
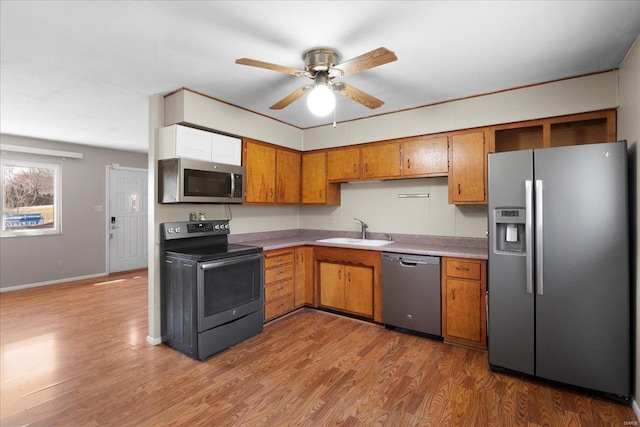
(82, 72)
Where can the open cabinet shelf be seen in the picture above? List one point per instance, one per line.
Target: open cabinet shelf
(578, 133)
(524, 138)
(576, 129)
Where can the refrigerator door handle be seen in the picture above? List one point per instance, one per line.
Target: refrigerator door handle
(528, 224)
(539, 245)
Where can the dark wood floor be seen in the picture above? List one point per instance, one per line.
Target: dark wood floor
(76, 355)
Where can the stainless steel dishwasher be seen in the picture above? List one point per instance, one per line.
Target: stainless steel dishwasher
(411, 292)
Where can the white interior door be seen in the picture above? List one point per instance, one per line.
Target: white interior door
(127, 221)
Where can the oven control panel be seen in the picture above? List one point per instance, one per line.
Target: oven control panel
(183, 229)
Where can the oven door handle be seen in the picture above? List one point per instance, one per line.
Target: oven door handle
(230, 261)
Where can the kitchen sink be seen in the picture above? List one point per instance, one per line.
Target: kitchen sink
(350, 241)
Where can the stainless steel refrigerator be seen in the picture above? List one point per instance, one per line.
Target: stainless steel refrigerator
(558, 272)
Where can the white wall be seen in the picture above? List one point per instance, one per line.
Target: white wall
(629, 129)
(30, 260)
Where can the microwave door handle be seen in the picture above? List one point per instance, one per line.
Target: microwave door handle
(233, 186)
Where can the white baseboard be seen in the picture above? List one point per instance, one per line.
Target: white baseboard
(154, 341)
(52, 282)
(636, 409)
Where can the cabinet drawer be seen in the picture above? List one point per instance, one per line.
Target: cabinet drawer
(278, 290)
(278, 259)
(278, 273)
(280, 306)
(463, 269)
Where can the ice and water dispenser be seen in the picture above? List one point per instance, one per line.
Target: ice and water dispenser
(509, 230)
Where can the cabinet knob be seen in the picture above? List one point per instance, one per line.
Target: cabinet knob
(453, 294)
(408, 163)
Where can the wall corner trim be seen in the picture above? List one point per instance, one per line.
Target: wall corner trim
(154, 341)
(635, 407)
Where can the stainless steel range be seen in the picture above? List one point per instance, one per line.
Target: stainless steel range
(212, 291)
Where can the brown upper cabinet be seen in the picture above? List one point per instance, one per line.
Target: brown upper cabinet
(315, 187)
(424, 156)
(288, 176)
(467, 171)
(419, 156)
(343, 164)
(381, 160)
(272, 174)
(260, 163)
(281, 175)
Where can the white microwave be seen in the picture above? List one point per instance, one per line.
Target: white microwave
(194, 181)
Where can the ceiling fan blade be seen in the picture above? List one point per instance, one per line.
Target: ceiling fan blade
(269, 66)
(289, 98)
(360, 96)
(367, 60)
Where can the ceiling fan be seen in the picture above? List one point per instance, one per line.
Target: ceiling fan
(321, 66)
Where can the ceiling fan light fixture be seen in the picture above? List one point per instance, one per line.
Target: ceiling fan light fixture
(321, 66)
(321, 101)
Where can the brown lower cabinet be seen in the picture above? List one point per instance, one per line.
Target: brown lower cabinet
(464, 289)
(303, 276)
(279, 286)
(347, 288)
(288, 280)
(349, 280)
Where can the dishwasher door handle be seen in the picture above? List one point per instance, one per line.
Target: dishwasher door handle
(408, 264)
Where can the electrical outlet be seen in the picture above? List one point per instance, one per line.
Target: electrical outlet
(60, 264)
(98, 208)
(332, 219)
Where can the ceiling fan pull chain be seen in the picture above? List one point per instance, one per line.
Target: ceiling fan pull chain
(334, 117)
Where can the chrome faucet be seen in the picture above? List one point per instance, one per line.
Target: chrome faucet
(364, 228)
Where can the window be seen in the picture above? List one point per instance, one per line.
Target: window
(31, 202)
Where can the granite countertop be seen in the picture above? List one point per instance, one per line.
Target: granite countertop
(463, 247)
